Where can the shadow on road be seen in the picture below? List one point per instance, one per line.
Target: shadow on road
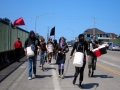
(53, 64)
(43, 76)
(50, 68)
(103, 76)
(69, 76)
(90, 85)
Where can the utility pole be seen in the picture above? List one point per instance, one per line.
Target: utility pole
(94, 27)
(48, 34)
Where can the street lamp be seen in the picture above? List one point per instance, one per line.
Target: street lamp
(38, 16)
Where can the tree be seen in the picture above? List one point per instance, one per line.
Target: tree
(118, 37)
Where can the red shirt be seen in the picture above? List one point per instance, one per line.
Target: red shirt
(17, 44)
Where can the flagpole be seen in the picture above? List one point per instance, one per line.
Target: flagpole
(54, 34)
(26, 27)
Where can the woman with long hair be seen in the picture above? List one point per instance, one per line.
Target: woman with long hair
(62, 49)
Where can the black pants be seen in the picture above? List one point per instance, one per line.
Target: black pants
(54, 55)
(17, 54)
(80, 70)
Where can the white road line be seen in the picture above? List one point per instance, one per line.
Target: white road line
(116, 59)
(55, 79)
(18, 79)
(109, 63)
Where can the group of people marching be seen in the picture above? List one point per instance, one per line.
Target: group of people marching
(50, 49)
(58, 52)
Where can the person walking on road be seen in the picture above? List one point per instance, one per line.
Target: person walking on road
(43, 50)
(62, 49)
(34, 43)
(92, 59)
(17, 46)
(80, 46)
(50, 48)
(54, 51)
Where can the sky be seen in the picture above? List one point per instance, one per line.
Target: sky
(69, 15)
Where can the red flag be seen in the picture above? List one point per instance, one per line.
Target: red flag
(19, 21)
(96, 52)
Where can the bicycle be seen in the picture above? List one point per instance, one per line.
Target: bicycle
(43, 61)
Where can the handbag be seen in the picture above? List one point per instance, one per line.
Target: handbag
(30, 51)
(78, 58)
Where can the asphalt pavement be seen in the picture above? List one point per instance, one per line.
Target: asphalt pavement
(106, 77)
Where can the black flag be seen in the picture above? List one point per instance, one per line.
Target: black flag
(52, 31)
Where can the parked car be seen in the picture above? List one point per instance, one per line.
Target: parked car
(114, 47)
(69, 45)
(106, 44)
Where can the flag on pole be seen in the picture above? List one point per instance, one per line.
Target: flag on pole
(19, 21)
(52, 32)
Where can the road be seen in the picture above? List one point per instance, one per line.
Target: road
(107, 76)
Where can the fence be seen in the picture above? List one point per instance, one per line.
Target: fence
(8, 36)
(9, 57)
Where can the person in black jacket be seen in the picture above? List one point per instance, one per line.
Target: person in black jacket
(80, 46)
(62, 49)
(54, 50)
(34, 43)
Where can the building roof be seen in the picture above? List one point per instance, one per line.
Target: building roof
(97, 31)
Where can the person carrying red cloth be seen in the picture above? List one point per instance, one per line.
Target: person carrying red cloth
(92, 58)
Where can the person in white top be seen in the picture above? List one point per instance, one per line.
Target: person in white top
(50, 48)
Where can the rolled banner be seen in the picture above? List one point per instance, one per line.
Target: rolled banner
(102, 49)
(96, 52)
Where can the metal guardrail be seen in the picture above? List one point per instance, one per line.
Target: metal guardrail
(9, 57)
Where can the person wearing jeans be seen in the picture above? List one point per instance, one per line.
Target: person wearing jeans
(43, 50)
(30, 61)
(34, 43)
(42, 53)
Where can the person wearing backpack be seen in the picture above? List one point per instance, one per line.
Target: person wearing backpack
(80, 46)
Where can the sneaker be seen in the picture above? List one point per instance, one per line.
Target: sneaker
(80, 86)
(89, 74)
(92, 75)
(62, 76)
(49, 61)
(33, 76)
(29, 78)
(59, 76)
